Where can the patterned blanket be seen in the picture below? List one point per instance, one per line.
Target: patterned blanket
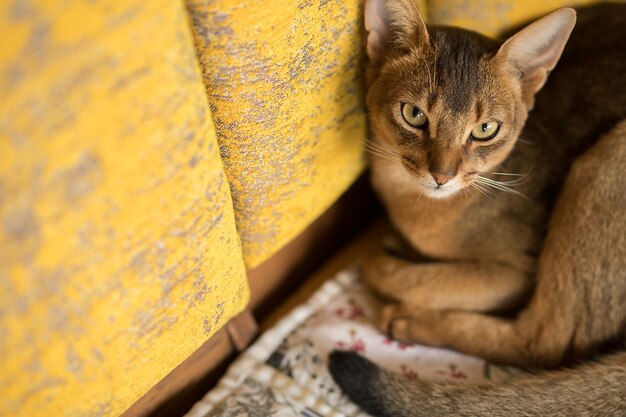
(285, 372)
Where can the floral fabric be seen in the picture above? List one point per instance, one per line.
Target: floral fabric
(285, 372)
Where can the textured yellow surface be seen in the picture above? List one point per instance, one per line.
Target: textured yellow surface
(490, 17)
(118, 249)
(284, 83)
(422, 5)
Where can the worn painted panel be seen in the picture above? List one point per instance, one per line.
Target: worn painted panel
(118, 250)
(490, 17)
(284, 80)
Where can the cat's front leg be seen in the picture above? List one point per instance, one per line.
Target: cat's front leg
(519, 342)
(464, 285)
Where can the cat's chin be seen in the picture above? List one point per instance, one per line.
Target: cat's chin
(440, 193)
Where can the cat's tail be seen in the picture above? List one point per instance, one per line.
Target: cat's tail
(591, 389)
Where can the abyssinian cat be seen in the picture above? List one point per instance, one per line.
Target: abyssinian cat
(510, 211)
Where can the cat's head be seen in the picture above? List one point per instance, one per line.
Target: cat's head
(448, 104)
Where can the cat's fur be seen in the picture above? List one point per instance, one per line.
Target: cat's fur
(555, 247)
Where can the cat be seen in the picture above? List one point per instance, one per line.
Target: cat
(518, 221)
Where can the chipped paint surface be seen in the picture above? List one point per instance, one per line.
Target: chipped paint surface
(284, 81)
(118, 249)
(490, 17)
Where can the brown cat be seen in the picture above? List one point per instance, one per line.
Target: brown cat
(504, 212)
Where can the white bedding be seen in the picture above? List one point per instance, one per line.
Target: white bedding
(284, 373)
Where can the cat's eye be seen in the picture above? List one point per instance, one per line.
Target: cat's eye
(413, 115)
(485, 131)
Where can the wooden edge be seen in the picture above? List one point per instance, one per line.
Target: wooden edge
(213, 352)
(364, 245)
(242, 329)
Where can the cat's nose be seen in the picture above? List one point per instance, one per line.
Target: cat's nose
(441, 177)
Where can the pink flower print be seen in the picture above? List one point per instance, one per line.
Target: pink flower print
(403, 346)
(399, 345)
(408, 373)
(356, 313)
(350, 313)
(357, 346)
(456, 373)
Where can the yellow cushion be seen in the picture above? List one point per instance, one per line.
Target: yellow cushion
(119, 254)
(490, 17)
(284, 83)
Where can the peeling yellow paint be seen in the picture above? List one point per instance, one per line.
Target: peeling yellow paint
(118, 249)
(285, 85)
(490, 17)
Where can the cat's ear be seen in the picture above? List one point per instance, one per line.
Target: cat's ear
(392, 24)
(534, 51)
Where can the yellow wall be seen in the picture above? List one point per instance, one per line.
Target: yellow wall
(118, 249)
(283, 79)
(490, 17)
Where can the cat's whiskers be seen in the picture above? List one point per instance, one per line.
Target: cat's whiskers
(376, 149)
(509, 183)
(484, 191)
(500, 185)
(467, 193)
(368, 143)
(505, 173)
(517, 181)
(418, 198)
(384, 156)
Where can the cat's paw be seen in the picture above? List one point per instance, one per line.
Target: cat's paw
(410, 324)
